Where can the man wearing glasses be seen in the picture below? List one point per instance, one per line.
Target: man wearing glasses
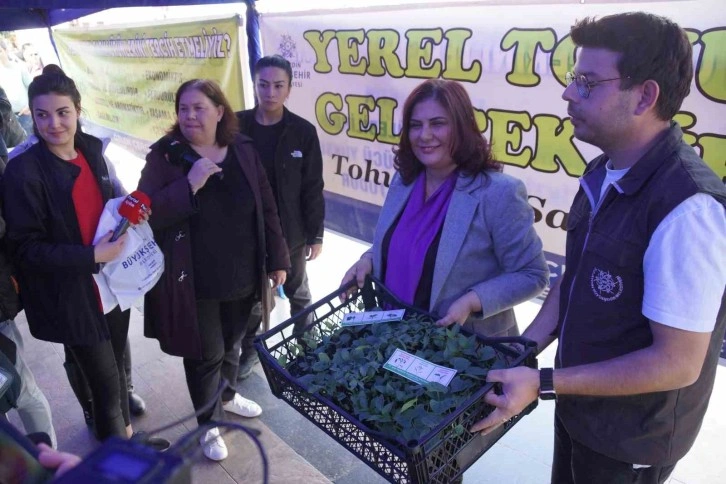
(639, 313)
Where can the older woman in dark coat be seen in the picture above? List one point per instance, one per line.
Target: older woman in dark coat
(216, 221)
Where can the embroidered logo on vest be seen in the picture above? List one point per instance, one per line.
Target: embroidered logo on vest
(605, 287)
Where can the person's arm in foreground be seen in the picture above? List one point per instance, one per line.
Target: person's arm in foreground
(52, 459)
(673, 361)
(681, 314)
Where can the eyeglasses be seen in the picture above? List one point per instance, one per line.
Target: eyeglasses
(583, 85)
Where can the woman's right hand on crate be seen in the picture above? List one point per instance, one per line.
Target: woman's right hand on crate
(357, 271)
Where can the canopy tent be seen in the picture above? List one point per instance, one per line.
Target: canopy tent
(16, 18)
(30, 14)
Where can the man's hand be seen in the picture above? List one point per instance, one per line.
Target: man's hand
(313, 251)
(278, 278)
(61, 462)
(520, 387)
(460, 309)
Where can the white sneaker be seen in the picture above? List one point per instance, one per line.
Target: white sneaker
(213, 445)
(242, 406)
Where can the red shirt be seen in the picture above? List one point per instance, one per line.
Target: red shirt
(87, 199)
(88, 202)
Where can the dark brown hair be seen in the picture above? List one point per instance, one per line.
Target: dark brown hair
(53, 81)
(469, 149)
(275, 61)
(650, 47)
(228, 126)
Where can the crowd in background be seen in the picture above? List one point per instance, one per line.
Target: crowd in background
(19, 64)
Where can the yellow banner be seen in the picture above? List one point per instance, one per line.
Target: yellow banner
(128, 76)
(352, 73)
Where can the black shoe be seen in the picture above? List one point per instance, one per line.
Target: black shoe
(137, 406)
(246, 365)
(159, 444)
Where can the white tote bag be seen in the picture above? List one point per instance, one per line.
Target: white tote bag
(124, 281)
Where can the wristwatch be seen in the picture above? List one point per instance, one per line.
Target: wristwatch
(546, 384)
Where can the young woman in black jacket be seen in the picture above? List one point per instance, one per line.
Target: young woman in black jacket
(53, 195)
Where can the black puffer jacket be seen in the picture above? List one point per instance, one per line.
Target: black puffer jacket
(299, 178)
(9, 301)
(54, 268)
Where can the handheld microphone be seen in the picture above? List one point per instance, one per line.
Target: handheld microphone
(132, 209)
(181, 152)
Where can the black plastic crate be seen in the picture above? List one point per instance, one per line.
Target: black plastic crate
(440, 456)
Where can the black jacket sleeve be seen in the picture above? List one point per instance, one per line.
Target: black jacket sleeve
(27, 210)
(171, 197)
(311, 194)
(278, 257)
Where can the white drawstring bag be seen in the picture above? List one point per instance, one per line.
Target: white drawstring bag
(124, 281)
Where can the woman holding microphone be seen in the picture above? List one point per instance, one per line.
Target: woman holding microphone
(53, 196)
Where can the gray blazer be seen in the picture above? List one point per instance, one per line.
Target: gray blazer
(488, 245)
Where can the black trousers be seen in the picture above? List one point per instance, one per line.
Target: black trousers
(573, 463)
(127, 366)
(78, 381)
(296, 289)
(102, 366)
(222, 325)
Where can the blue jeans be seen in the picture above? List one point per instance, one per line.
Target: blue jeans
(33, 407)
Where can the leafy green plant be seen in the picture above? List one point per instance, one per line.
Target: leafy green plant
(345, 364)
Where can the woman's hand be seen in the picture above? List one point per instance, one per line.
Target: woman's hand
(106, 251)
(278, 278)
(200, 172)
(61, 462)
(358, 271)
(144, 216)
(461, 309)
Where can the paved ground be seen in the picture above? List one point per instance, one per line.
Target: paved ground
(298, 452)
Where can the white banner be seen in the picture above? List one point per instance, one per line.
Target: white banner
(352, 72)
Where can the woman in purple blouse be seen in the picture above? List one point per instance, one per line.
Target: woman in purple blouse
(455, 235)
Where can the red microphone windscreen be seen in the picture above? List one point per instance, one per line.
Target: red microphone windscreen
(134, 206)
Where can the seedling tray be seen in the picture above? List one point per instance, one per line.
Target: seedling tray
(442, 455)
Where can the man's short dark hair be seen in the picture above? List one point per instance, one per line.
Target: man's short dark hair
(650, 47)
(274, 61)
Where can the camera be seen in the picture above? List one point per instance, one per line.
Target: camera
(121, 461)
